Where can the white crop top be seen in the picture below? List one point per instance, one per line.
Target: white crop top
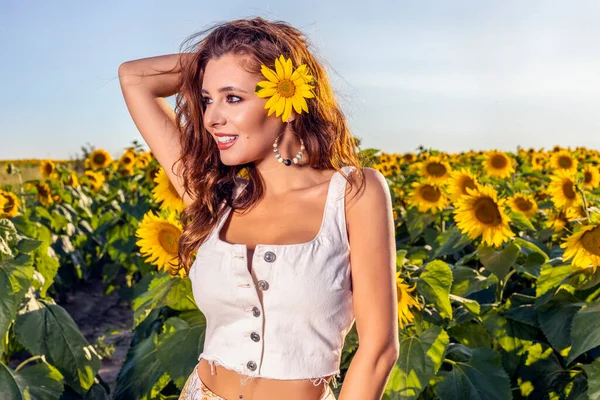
(299, 330)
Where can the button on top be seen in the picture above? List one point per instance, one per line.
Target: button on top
(263, 285)
(269, 256)
(255, 336)
(255, 311)
(251, 365)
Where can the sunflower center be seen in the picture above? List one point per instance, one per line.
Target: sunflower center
(565, 162)
(168, 237)
(48, 168)
(486, 211)
(43, 190)
(523, 204)
(591, 241)
(10, 203)
(467, 183)
(436, 169)
(286, 88)
(587, 177)
(499, 161)
(568, 189)
(99, 159)
(430, 193)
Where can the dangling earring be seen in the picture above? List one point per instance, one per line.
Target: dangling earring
(287, 161)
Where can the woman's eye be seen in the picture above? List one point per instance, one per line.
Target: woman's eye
(206, 100)
(229, 96)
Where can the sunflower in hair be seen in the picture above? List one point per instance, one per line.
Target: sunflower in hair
(285, 88)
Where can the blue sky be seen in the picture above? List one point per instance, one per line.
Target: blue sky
(451, 75)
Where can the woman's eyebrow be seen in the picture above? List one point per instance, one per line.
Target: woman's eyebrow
(226, 89)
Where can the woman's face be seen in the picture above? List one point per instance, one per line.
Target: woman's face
(232, 108)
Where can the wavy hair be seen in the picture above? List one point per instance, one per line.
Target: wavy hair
(206, 179)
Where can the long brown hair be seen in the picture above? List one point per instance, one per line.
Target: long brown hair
(323, 129)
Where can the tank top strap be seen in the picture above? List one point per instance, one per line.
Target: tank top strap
(336, 218)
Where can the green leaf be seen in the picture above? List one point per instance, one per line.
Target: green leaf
(593, 374)
(140, 372)
(585, 330)
(180, 344)
(47, 329)
(39, 382)
(512, 336)
(471, 305)
(481, 377)
(28, 245)
(498, 262)
(555, 318)
(416, 222)
(419, 361)
(551, 277)
(46, 263)
(450, 242)
(15, 280)
(468, 280)
(471, 334)
(521, 221)
(434, 283)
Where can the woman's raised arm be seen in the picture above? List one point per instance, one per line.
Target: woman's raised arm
(145, 84)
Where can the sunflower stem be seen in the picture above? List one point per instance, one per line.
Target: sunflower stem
(587, 213)
(417, 320)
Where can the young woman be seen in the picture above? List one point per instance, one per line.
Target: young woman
(275, 199)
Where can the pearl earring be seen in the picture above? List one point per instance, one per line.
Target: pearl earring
(287, 161)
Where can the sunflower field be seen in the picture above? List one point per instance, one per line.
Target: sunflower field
(497, 276)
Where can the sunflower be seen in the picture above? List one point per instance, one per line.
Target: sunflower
(498, 164)
(583, 247)
(125, 170)
(285, 87)
(557, 221)
(459, 182)
(11, 204)
(405, 301)
(562, 160)
(408, 158)
(98, 159)
(164, 193)
(562, 190)
(537, 162)
(435, 169)
(523, 202)
(591, 177)
(427, 197)
(72, 179)
(44, 195)
(480, 213)
(159, 241)
(575, 213)
(47, 168)
(128, 159)
(94, 179)
(151, 172)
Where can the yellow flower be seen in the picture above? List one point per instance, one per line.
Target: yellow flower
(480, 213)
(47, 168)
(459, 182)
(98, 159)
(127, 160)
(159, 240)
(591, 177)
(562, 190)
(525, 203)
(427, 197)
(405, 301)
(436, 170)
(498, 164)
(164, 193)
(94, 179)
(563, 161)
(10, 206)
(286, 88)
(72, 180)
(44, 195)
(583, 247)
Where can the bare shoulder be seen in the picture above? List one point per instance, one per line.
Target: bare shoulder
(373, 192)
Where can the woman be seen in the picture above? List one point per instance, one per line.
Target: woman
(257, 131)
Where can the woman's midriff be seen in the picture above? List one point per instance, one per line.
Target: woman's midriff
(226, 383)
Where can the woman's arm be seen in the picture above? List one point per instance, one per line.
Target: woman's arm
(145, 83)
(370, 224)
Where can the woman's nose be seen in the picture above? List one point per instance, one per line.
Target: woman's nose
(213, 116)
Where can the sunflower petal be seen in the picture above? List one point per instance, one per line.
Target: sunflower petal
(266, 92)
(267, 84)
(288, 109)
(280, 106)
(306, 93)
(272, 101)
(303, 103)
(296, 103)
(287, 68)
(279, 70)
(269, 74)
